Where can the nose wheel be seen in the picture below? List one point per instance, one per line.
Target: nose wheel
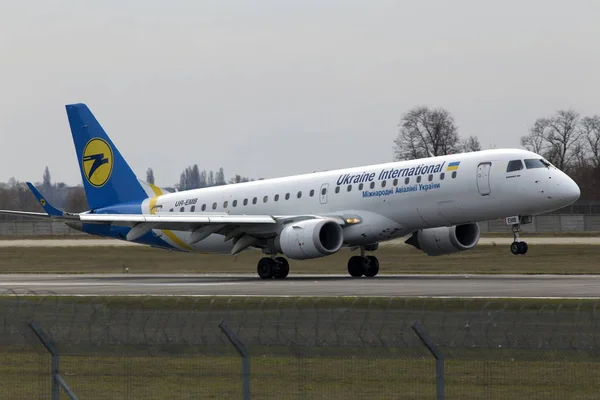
(517, 247)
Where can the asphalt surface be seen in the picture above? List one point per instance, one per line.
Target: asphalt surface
(83, 242)
(501, 286)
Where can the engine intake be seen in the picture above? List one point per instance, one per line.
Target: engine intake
(311, 238)
(445, 240)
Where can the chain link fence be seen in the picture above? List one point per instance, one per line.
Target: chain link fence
(297, 348)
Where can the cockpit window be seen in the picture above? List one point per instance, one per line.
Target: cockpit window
(514, 165)
(536, 163)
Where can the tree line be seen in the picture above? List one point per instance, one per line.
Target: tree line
(567, 139)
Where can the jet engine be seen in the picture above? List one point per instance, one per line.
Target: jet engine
(445, 240)
(311, 238)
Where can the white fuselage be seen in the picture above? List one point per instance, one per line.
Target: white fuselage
(391, 200)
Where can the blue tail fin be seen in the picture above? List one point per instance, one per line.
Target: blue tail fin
(107, 178)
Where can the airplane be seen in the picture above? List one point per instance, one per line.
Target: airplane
(436, 201)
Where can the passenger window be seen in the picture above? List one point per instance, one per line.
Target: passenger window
(453, 174)
(442, 176)
(407, 181)
(235, 203)
(337, 189)
(372, 185)
(182, 209)
(324, 191)
(265, 199)
(299, 194)
(430, 177)
(349, 188)
(171, 210)
(312, 193)
(418, 179)
(276, 197)
(225, 203)
(287, 196)
(214, 206)
(203, 207)
(193, 209)
(395, 182)
(383, 183)
(254, 200)
(245, 202)
(360, 187)
(515, 165)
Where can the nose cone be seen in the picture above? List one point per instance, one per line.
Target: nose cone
(569, 191)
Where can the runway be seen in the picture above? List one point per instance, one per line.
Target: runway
(484, 241)
(482, 286)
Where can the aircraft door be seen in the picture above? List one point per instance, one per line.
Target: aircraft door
(483, 178)
(323, 193)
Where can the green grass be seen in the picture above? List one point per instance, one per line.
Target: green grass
(161, 303)
(541, 259)
(25, 374)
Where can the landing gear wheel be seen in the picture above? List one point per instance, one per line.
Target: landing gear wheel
(515, 248)
(523, 247)
(356, 266)
(518, 248)
(266, 268)
(282, 268)
(371, 267)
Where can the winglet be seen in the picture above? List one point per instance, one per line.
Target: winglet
(50, 210)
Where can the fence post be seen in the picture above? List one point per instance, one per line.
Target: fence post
(439, 358)
(57, 380)
(241, 348)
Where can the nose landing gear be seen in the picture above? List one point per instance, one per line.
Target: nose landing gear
(517, 247)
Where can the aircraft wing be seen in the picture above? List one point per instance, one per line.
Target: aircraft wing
(173, 221)
(244, 230)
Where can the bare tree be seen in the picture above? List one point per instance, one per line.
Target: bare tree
(46, 181)
(470, 144)
(564, 135)
(238, 179)
(76, 200)
(590, 127)
(535, 141)
(150, 176)
(556, 138)
(220, 177)
(425, 132)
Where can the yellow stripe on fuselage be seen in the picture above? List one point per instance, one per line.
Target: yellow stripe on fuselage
(168, 233)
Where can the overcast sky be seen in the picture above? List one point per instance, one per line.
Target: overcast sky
(269, 88)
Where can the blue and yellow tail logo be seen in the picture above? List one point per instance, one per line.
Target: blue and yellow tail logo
(97, 162)
(453, 166)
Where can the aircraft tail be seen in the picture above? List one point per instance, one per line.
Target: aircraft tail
(107, 178)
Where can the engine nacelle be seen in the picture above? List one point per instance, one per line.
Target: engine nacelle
(445, 240)
(311, 238)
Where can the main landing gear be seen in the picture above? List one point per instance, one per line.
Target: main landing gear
(276, 267)
(517, 247)
(363, 265)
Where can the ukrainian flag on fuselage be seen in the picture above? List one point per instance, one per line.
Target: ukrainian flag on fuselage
(453, 166)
